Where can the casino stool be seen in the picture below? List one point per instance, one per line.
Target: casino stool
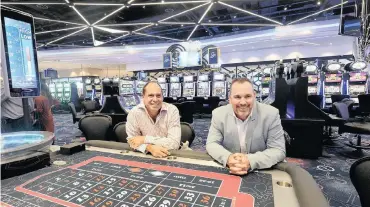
(186, 110)
(360, 177)
(75, 116)
(187, 133)
(223, 103)
(338, 98)
(88, 106)
(356, 126)
(169, 100)
(95, 126)
(120, 132)
(199, 101)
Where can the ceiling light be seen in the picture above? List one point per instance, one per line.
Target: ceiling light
(183, 12)
(156, 24)
(143, 28)
(162, 1)
(316, 13)
(161, 37)
(115, 11)
(30, 3)
(285, 8)
(251, 13)
(182, 25)
(205, 13)
(144, 7)
(234, 17)
(314, 19)
(209, 20)
(234, 50)
(51, 20)
(58, 30)
(74, 8)
(97, 4)
(131, 1)
(318, 3)
(192, 32)
(66, 36)
(310, 43)
(330, 43)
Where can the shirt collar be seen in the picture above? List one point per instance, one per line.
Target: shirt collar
(249, 116)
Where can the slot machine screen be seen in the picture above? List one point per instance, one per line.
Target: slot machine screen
(174, 79)
(312, 79)
(189, 78)
(20, 54)
(357, 77)
(203, 78)
(161, 80)
(219, 85)
(88, 87)
(219, 77)
(203, 85)
(59, 95)
(189, 85)
(175, 86)
(98, 87)
(59, 89)
(333, 78)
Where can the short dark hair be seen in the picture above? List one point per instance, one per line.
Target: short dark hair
(150, 83)
(240, 80)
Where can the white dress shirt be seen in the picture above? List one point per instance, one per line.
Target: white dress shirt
(242, 132)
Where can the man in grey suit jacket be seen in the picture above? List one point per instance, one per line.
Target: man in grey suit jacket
(246, 135)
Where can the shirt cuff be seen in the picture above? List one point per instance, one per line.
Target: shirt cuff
(142, 148)
(149, 140)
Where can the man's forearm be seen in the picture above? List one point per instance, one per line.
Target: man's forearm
(169, 143)
(266, 158)
(218, 152)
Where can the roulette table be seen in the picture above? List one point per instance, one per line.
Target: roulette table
(114, 176)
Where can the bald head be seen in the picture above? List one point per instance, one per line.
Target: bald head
(150, 85)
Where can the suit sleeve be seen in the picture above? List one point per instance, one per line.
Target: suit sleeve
(275, 151)
(214, 141)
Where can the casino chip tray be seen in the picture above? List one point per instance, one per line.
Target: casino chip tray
(104, 179)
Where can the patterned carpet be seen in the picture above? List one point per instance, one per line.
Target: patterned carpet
(331, 174)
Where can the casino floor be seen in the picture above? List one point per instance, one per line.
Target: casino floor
(264, 188)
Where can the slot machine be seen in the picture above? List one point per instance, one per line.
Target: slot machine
(175, 87)
(265, 84)
(203, 86)
(313, 80)
(333, 82)
(126, 91)
(189, 87)
(52, 90)
(219, 86)
(139, 87)
(89, 88)
(164, 86)
(358, 79)
(59, 89)
(66, 92)
(98, 89)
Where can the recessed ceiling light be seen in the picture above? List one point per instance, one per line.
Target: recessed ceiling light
(285, 8)
(182, 25)
(209, 20)
(234, 17)
(315, 19)
(143, 7)
(234, 50)
(330, 43)
(318, 3)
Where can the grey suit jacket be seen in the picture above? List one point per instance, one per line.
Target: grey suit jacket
(265, 136)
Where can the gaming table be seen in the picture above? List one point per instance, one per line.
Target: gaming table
(110, 177)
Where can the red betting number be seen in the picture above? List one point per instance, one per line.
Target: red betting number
(182, 205)
(108, 203)
(159, 191)
(205, 199)
(173, 193)
(123, 182)
(99, 178)
(96, 200)
(135, 197)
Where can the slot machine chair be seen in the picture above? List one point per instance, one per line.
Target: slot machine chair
(169, 100)
(213, 103)
(359, 174)
(75, 117)
(120, 132)
(181, 99)
(89, 107)
(199, 102)
(95, 126)
(364, 104)
(316, 100)
(186, 110)
(356, 126)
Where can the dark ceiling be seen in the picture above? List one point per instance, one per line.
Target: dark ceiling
(151, 12)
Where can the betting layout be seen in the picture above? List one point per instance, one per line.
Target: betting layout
(108, 182)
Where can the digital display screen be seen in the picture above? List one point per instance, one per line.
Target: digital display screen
(89, 87)
(188, 85)
(203, 85)
(174, 79)
(219, 77)
(175, 86)
(203, 78)
(312, 79)
(266, 80)
(357, 77)
(161, 80)
(189, 78)
(21, 54)
(189, 59)
(332, 78)
(351, 26)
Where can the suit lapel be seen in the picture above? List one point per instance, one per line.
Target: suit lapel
(251, 127)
